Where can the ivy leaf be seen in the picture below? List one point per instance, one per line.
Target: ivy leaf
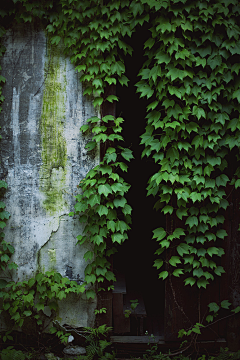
(213, 307)
(149, 43)
(119, 202)
(212, 251)
(181, 212)
(183, 249)
(105, 189)
(91, 145)
(97, 101)
(102, 210)
(167, 209)
(121, 226)
(55, 39)
(178, 232)
(118, 68)
(174, 260)
(215, 61)
(199, 112)
(90, 294)
(112, 98)
(209, 318)
(178, 272)
(190, 281)
(236, 310)
(222, 180)
(219, 270)
(84, 128)
(127, 154)
(191, 221)
(111, 225)
(225, 304)
(159, 233)
(158, 263)
(221, 234)
(117, 237)
(88, 255)
(163, 275)
(94, 199)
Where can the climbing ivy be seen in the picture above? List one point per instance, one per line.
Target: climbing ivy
(191, 77)
(191, 80)
(102, 205)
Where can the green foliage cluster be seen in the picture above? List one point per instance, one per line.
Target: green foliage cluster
(36, 298)
(97, 343)
(102, 205)
(191, 79)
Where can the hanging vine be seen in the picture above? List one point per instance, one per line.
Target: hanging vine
(191, 79)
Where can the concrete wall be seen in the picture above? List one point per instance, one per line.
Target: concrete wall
(43, 160)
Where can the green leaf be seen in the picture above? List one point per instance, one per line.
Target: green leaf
(3, 184)
(121, 226)
(221, 234)
(117, 237)
(90, 279)
(3, 284)
(112, 98)
(178, 272)
(119, 202)
(209, 318)
(190, 281)
(110, 276)
(2, 205)
(212, 251)
(178, 232)
(102, 210)
(127, 154)
(183, 249)
(149, 43)
(98, 101)
(174, 260)
(225, 304)
(167, 209)
(222, 180)
(94, 199)
(199, 112)
(88, 255)
(55, 39)
(90, 294)
(163, 275)
(91, 145)
(105, 189)
(192, 221)
(159, 233)
(219, 270)
(111, 225)
(213, 307)
(158, 263)
(236, 310)
(215, 61)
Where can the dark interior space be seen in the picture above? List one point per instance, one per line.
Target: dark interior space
(135, 258)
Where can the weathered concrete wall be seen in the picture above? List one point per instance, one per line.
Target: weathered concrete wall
(43, 160)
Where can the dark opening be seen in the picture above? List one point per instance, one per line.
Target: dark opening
(135, 257)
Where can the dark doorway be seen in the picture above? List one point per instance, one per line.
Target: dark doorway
(135, 258)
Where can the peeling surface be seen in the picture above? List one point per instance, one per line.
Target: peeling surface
(43, 160)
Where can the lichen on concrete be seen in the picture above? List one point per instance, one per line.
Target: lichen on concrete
(54, 148)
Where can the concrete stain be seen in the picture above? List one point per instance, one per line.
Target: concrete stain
(54, 148)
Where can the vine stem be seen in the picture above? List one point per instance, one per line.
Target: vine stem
(175, 300)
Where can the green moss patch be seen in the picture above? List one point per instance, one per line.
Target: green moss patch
(54, 149)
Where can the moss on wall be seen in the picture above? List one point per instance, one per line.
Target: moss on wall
(54, 149)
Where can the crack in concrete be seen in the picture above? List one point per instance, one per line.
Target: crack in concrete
(54, 231)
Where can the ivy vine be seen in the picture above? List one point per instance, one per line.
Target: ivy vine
(191, 79)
